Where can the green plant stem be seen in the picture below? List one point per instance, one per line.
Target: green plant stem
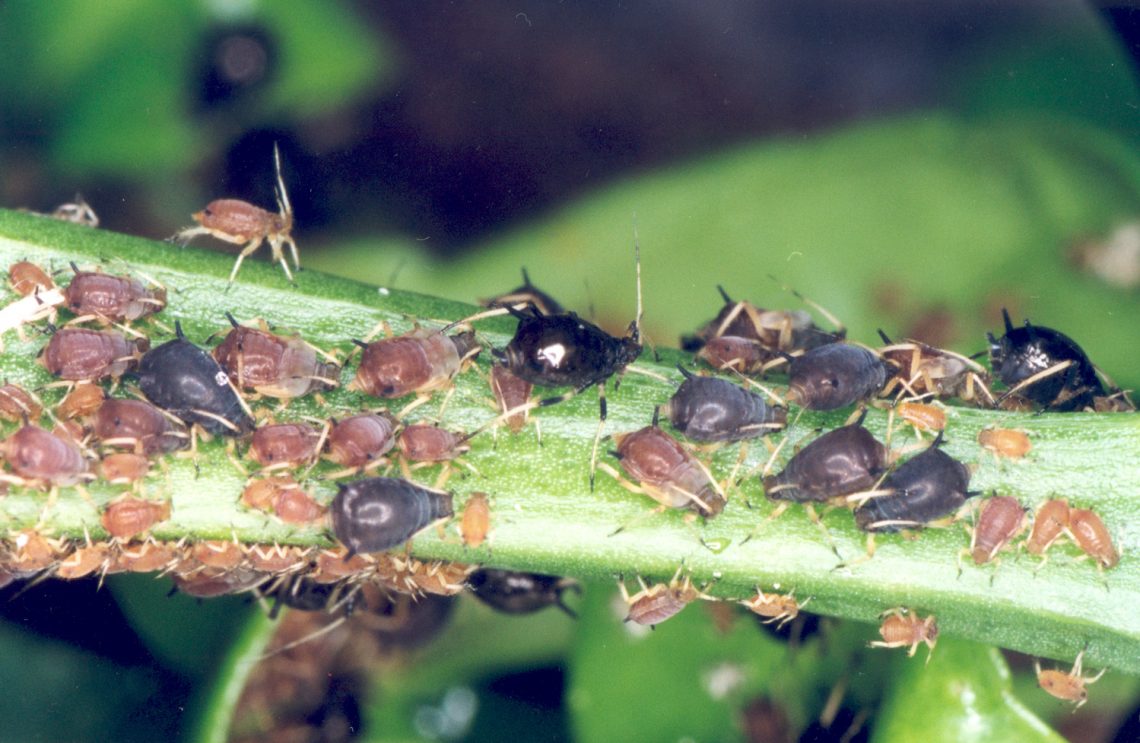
(545, 517)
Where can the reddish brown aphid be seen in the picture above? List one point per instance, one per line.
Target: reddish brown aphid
(743, 355)
(138, 425)
(83, 561)
(1049, 524)
(421, 442)
(262, 493)
(776, 607)
(1005, 442)
(362, 440)
(82, 354)
(1092, 536)
(124, 467)
(130, 517)
(336, 564)
(921, 416)
(273, 365)
(510, 392)
(39, 457)
(145, 557)
(652, 605)
(17, 404)
(1001, 520)
(241, 223)
(83, 400)
(217, 554)
(274, 558)
(295, 506)
(476, 520)
(282, 445)
(902, 628)
(111, 298)
(420, 361)
(1071, 686)
(32, 552)
(27, 278)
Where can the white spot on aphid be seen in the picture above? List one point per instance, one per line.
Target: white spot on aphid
(221, 379)
(553, 354)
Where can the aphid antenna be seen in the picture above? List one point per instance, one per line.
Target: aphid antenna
(766, 390)
(283, 204)
(513, 309)
(831, 318)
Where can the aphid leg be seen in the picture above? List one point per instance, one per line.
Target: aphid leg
(277, 254)
(598, 435)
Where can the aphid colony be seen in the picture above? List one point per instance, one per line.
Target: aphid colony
(129, 403)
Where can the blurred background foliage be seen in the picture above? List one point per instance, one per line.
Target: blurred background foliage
(914, 167)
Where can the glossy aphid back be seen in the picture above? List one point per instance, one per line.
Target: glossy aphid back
(1033, 349)
(926, 487)
(516, 592)
(274, 365)
(380, 513)
(565, 351)
(420, 361)
(41, 456)
(834, 376)
(840, 462)
(83, 354)
(711, 409)
(110, 297)
(284, 444)
(138, 425)
(361, 439)
(666, 471)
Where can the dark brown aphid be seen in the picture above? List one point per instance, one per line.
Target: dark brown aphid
(1000, 521)
(1069, 687)
(528, 293)
(27, 278)
(510, 392)
(1051, 521)
(281, 445)
(476, 520)
(83, 400)
(81, 354)
(421, 442)
(666, 471)
(130, 517)
(241, 223)
(42, 458)
(420, 361)
(924, 488)
(902, 628)
(123, 467)
(922, 416)
(840, 462)
(274, 365)
(652, 605)
(362, 440)
(776, 330)
(709, 409)
(139, 426)
(514, 592)
(1091, 535)
(835, 376)
(743, 355)
(380, 513)
(921, 369)
(778, 608)
(111, 298)
(17, 404)
(1005, 442)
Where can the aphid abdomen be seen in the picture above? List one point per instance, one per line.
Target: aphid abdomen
(1001, 519)
(709, 409)
(36, 454)
(1092, 536)
(237, 218)
(926, 487)
(656, 608)
(840, 462)
(253, 358)
(666, 471)
(1049, 523)
(77, 354)
(380, 513)
(834, 376)
(395, 367)
(135, 424)
(356, 441)
(112, 297)
(284, 444)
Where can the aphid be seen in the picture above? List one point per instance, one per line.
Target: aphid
(1002, 518)
(921, 369)
(123, 467)
(1069, 687)
(111, 298)
(1005, 442)
(17, 404)
(924, 488)
(213, 582)
(922, 416)
(281, 445)
(421, 442)
(840, 462)
(476, 520)
(711, 409)
(1091, 535)
(26, 278)
(32, 552)
(263, 493)
(380, 513)
(130, 517)
(241, 223)
(185, 380)
(83, 561)
(83, 400)
(295, 506)
(408, 575)
(514, 592)
(274, 365)
(362, 440)
(666, 471)
(652, 605)
(902, 628)
(79, 213)
(778, 608)
(776, 330)
(1051, 521)
(145, 557)
(39, 457)
(742, 355)
(82, 354)
(835, 376)
(420, 361)
(511, 393)
(275, 558)
(139, 426)
(215, 553)
(1045, 366)
(528, 293)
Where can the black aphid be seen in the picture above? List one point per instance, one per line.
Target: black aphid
(711, 409)
(185, 380)
(380, 513)
(840, 462)
(528, 293)
(835, 376)
(515, 592)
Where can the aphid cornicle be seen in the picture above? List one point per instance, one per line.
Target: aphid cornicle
(273, 365)
(185, 380)
(1069, 687)
(528, 293)
(835, 376)
(926, 487)
(241, 223)
(840, 462)
(82, 354)
(380, 513)
(1001, 519)
(361, 440)
(420, 361)
(111, 298)
(515, 592)
(40, 457)
(711, 409)
(1045, 366)
(137, 425)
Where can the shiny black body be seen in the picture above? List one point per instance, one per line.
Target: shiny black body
(515, 592)
(926, 487)
(380, 513)
(185, 380)
(840, 462)
(835, 375)
(1023, 352)
(711, 409)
